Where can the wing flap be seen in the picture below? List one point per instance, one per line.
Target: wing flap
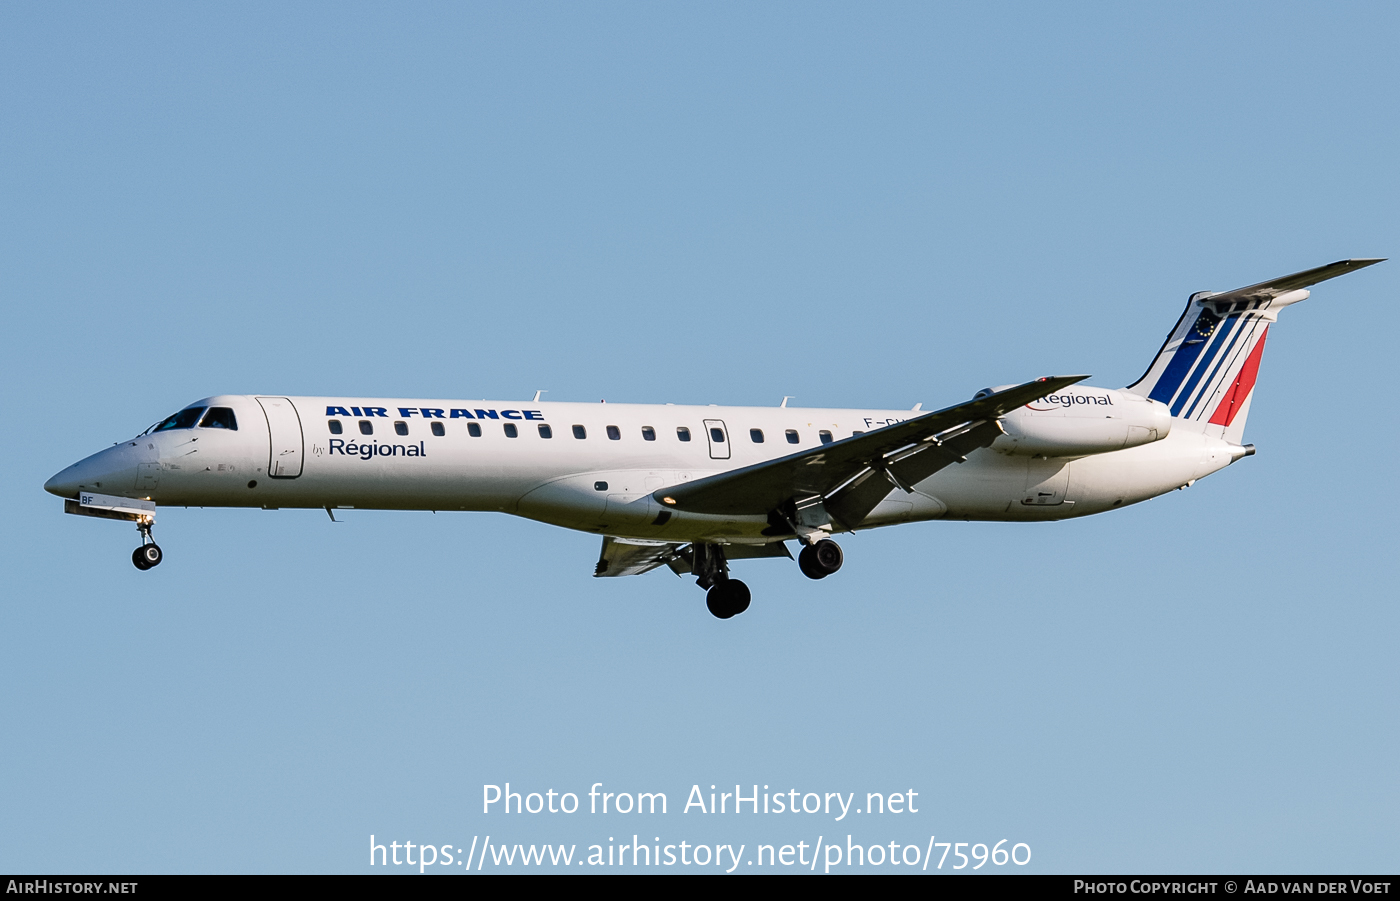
(853, 502)
(764, 487)
(632, 557)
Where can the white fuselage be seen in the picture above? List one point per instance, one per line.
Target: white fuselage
(1113, 449)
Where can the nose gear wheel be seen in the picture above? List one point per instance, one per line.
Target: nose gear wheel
(146, 556)
(149, 553)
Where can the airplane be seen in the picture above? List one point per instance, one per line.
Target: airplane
(693, 488)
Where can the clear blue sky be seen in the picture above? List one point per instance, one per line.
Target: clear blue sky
(853, 204)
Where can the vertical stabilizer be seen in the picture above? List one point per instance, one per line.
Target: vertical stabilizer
(1206, 370)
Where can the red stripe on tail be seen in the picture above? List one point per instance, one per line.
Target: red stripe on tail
(1244, 383)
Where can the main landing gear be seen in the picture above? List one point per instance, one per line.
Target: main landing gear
(148, 554)
(821, 559)
(728, 597)
(724, 596)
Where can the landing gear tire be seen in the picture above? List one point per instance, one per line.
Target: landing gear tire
(817, 561)
(147, 556)
(728, 598)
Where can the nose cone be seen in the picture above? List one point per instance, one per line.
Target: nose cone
(112, 471)
(65, 483)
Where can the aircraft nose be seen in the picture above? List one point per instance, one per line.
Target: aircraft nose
(65, 483)
(110, 471)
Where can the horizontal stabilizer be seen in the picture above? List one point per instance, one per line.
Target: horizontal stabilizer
(1277, 286)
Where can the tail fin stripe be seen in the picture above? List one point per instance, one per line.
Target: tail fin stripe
(1228, 374)
(1244, 383)
(1223, 331)
(1177, 368)
(1225, 363)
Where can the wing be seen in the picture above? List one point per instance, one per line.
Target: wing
(632, 557)
(853, 475)
(1275, 287)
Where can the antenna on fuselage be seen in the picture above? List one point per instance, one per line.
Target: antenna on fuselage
(537, 395)
(786, 398)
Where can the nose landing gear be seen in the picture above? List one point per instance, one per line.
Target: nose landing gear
(149, 553)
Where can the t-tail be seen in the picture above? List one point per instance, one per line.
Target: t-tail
(1205, 372)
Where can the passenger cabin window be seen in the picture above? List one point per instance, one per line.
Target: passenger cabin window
(512, 431)
(825, 436)
(474, 429)
(366, 427)
(185, 419)
(648, 433)
(580, 432)
(792, 436)
(546, 431)
(756, 435)
(335, 426)
(857, 433)
(400, 428)
(717, 435)
(219, 418)
(438, 429)
(682, 433)
(600, 486)
(614, 433)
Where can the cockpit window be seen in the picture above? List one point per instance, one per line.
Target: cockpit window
(185, 419)
(219, 418)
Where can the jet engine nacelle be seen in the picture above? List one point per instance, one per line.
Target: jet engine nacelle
(1080, 420)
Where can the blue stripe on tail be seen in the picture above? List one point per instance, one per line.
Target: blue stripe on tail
(1178, 367)
(1218, 341)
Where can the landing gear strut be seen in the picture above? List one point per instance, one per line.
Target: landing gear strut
(149, 553)
(725, 597)
(819, 560)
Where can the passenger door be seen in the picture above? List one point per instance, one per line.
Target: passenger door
(284, 433)
(718, 436)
